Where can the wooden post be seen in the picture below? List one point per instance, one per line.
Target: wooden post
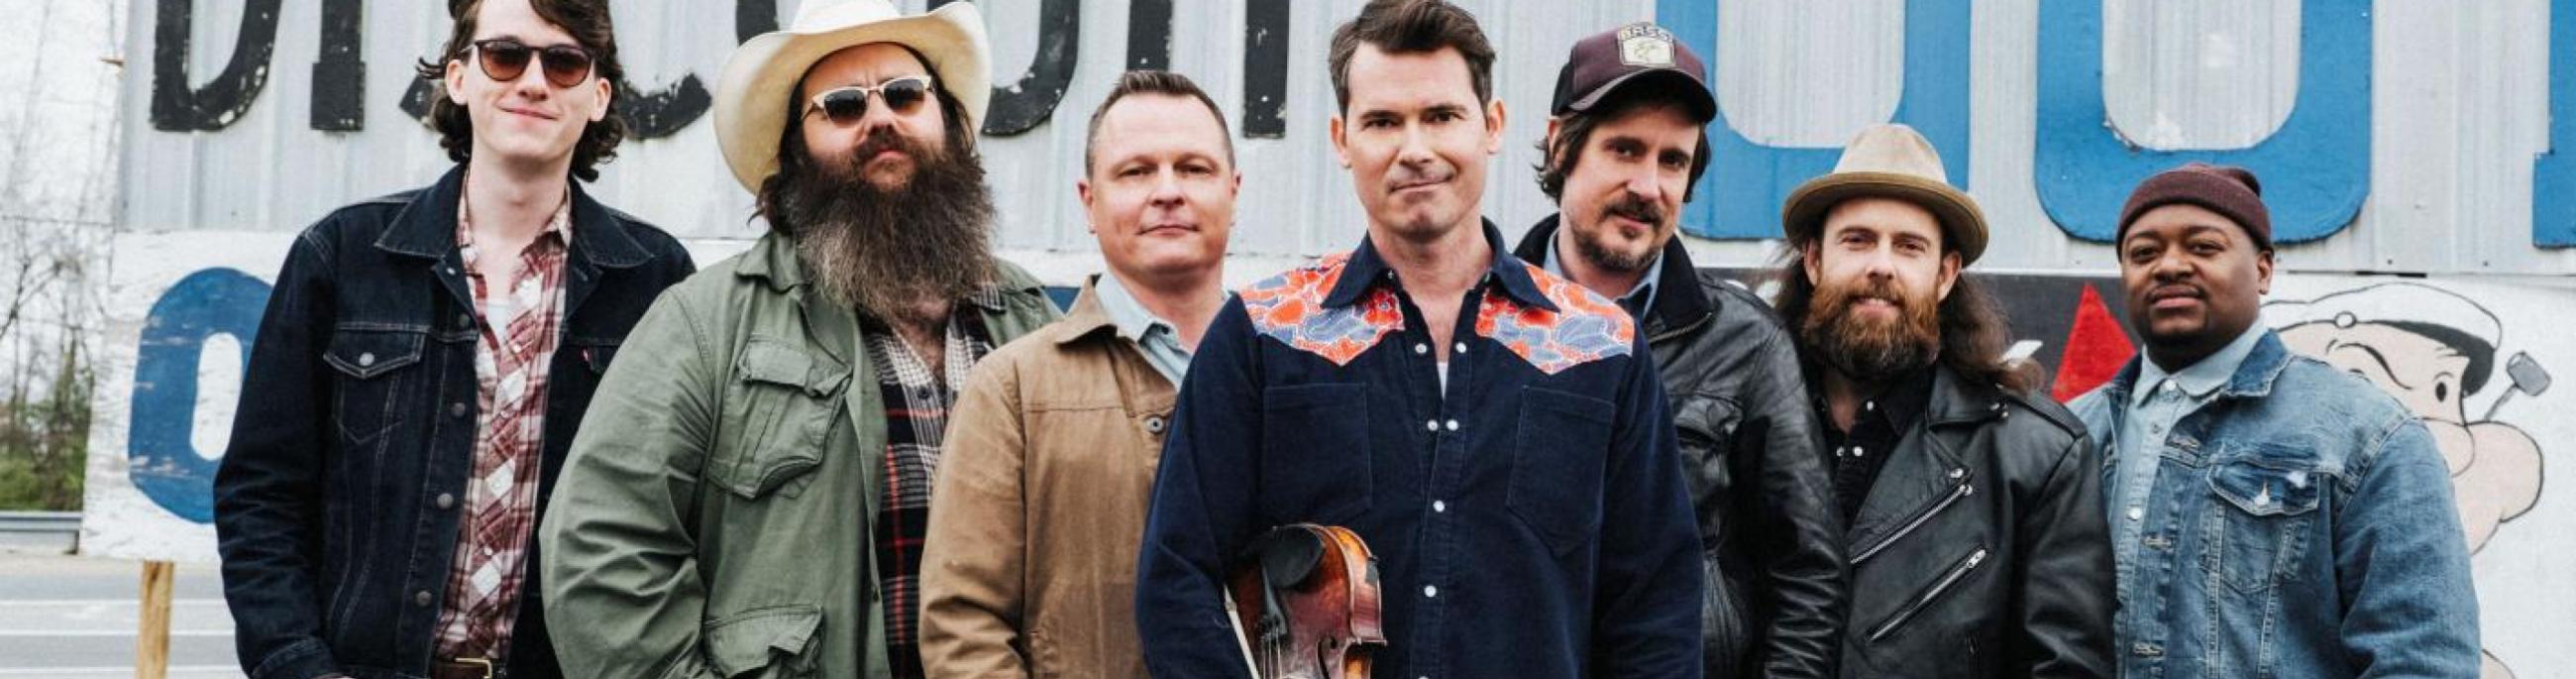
(152, 642)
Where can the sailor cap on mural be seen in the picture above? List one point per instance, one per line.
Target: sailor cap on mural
(2425, 310)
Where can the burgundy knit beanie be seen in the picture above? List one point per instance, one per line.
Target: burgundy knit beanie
(2230, 191)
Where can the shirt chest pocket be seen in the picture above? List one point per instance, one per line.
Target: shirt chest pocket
(2257, 530)
(1315, 453)
(1557, 464)
(372, 373)
(779, 411)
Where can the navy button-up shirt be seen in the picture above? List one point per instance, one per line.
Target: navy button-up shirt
(1532, 524)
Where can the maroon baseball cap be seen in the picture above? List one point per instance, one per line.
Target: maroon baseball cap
(1602, 62)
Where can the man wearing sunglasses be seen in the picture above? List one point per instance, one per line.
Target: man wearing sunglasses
(753, 494)
(423, 366)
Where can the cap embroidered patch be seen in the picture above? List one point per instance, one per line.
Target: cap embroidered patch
(1645, 46)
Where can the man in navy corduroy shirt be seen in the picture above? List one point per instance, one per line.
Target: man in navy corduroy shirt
(1496, 434)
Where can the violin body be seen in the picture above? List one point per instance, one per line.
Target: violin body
(1306, 600)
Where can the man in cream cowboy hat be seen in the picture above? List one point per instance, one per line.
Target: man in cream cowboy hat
(1974, 539)
(752, 497)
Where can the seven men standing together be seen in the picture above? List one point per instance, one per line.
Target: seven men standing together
(867, 447)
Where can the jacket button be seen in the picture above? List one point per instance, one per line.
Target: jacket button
(1153, 424)
(2144, 649)
(1431, 591)
(456, 409)
(1461, 347)
(1433, 425)
(420, 598)
(366, 359)
(465, 320)
(1420, 348)
(446, 500)
(1452, 424)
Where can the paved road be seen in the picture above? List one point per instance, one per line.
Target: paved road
(74, 618)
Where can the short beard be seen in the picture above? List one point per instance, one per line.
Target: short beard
(1600, 255)
(1866, 350)
(902, 254)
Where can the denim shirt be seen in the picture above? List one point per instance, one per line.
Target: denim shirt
(1532, 524)
(2300, 525)
(2160, 399)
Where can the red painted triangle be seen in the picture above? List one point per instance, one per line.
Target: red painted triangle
(2095, 349)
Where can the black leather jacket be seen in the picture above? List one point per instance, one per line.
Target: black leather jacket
(1981, 550)
(1770, 542)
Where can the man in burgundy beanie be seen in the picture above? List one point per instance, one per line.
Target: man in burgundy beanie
(2230, 191)
(2267, 510)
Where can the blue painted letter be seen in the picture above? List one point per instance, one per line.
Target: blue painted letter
(1740, 196)
(165, 465)
(2315, 169)
(2553, 177)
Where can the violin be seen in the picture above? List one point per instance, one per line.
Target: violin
(1305, 599)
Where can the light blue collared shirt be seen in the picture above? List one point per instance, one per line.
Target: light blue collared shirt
(2160, 400)
(1153, 337)
(1638, 301)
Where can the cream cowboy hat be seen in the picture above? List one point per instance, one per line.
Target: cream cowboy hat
(760, 77)
(1888, 161)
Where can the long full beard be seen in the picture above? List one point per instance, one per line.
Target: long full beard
(1869, 349)
(901, 254)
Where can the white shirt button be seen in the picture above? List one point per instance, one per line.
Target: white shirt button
(1431, 590)
(2137, 513)
(1438, 506)
(1453, 425)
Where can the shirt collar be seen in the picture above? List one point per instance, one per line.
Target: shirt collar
(1366, 269)
(1639, 297)
(1125, 313)
(1899, 405)
(558, 224)
(2205, 377)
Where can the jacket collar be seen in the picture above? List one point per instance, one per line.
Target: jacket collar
(1958, 401)
(1086, 317)
(1366, 269)
(1679, 301)
(426, 226)
(2253, 378)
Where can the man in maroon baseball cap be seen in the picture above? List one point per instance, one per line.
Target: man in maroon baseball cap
(1624, 144)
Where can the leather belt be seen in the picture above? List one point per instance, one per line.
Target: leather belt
(462, 668)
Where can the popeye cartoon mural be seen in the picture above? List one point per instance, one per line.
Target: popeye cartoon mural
(2434, 350)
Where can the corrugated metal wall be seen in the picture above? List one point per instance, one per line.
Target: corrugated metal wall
(2457, 110)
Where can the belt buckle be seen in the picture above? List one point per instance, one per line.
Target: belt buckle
(485, 663)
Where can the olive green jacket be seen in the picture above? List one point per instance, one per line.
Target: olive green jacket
(714, 517)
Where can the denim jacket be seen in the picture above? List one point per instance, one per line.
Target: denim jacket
(2301, 525)
(339, 497)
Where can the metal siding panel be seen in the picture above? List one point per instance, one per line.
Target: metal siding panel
(2459, 109)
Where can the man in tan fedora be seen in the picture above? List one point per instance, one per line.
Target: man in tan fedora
(752, 495)
(1974, 537)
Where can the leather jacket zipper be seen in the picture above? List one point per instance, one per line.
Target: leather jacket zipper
(1947, 581)
(1963, 490)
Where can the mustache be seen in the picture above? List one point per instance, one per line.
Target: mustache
(2163, 291)
(1631, 206)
